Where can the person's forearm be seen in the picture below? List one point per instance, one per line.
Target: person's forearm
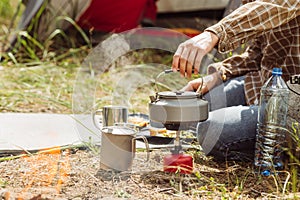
(235, 29)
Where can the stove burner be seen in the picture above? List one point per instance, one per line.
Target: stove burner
(179, 126)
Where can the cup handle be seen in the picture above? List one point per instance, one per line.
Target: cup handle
(146, 144)
(94, 118)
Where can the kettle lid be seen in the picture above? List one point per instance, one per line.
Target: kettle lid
(178, 95)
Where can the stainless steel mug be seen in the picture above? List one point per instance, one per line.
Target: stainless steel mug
(110, 115)
(118, 147)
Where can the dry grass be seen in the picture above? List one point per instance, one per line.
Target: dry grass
(75, 174)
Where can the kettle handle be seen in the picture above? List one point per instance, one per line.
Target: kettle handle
(146, 145)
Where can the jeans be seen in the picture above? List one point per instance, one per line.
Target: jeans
(230, 130)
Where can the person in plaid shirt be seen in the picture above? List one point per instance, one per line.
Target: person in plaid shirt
(272, 30)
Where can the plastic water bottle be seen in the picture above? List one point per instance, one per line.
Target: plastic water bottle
(270, 137)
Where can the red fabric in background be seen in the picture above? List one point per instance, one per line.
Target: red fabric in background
(116, 15)
(150, 10)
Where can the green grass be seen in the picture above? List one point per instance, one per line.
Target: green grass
(42, 88)
(6, 10)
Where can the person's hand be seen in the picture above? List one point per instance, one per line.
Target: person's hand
(190, 53)
(203, 85)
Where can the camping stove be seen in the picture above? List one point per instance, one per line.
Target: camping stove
(178, 111)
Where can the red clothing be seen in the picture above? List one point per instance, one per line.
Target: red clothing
(117, 15)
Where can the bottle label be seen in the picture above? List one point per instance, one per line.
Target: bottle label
(295, 79)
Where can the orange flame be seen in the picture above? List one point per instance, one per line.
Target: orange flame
(48, 168)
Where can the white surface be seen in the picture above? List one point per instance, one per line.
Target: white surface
(189, 5)
(23, 131)
(19, 131)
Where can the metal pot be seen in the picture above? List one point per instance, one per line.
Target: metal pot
(178, 110)
(118, 147)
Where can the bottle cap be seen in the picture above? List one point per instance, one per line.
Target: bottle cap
(277, 71)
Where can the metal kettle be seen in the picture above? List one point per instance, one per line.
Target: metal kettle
(178, 110)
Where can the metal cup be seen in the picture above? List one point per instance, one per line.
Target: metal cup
(110, 115)
(118, 147)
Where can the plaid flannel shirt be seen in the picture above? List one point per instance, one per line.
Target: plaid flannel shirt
(272, 28)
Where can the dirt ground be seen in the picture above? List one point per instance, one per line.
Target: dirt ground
(76, 174)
